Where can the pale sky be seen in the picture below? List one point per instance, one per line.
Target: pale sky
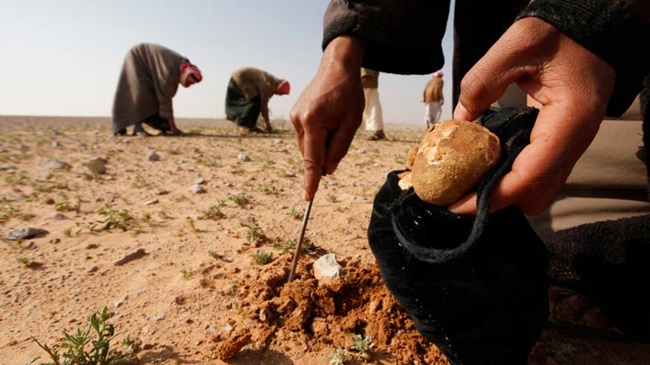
(63, 57)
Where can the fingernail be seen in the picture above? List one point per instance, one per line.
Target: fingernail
(460, 113)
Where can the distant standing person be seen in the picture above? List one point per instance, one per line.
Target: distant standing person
(248, 95)
(148, 82)
(373, 117)
(433, 99)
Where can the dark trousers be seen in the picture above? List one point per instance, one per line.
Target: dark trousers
(240, 110)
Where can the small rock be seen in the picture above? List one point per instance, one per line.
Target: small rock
(151, 202)
(326, 268)
(156, 317)
(243, 157)
(197, 189)
(118, 303)
(57, 216)
(28, 232)
(21, 197)
(97, 165)
(153, 156)
(56, 144)
(55, 164)
(130, 257)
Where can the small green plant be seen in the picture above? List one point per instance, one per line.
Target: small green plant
(295, 213)
(362, 345)
(213, 213)
(262, 257)
(7, 211)
(146, 217)
(91, 176)
(113, 219)
(214, 162)
(340, 356)
(268, 189)
(254, 233)
(86, 348)
(190, 222)
(286, 246)
(139, 183)
(163, 215)
(25, 261)
(240, 199)
(268, 163)
(63, 206)
(187, 273)
(331, 198)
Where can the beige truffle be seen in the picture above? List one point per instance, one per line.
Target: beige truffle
(451, 159)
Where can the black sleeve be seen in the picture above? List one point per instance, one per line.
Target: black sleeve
(403, 36)
(616, 31)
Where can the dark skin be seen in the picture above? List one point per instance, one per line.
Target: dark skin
(571, 84)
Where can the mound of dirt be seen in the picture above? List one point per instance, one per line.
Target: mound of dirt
(312, 314)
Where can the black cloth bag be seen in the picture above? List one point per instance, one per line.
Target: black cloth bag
(608, 262)
(477, 287)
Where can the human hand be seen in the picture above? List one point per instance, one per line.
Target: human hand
(328, 112)
(174, 132)
(573, 87)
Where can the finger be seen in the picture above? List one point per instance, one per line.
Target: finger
(339, 144)
(559, 138)
(297, 126)
(489, 78)
(465, 205)
(314, 159)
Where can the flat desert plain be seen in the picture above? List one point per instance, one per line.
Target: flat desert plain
(188, 242)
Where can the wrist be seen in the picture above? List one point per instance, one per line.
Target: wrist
(344, 52)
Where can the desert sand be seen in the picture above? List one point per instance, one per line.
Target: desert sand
(172, 235)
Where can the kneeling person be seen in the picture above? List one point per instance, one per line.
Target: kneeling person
(149, 80)
(249, 91)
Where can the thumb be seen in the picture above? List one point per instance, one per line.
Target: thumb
(487, 81)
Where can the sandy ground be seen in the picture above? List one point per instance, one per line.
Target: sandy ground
(173, 247)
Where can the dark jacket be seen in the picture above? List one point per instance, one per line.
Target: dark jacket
(405, 37)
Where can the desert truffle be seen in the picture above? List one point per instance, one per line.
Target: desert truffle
(451, 159)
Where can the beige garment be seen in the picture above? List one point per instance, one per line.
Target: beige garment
(433, 90)
(608, 182)
(369, 78)
(253, 82)
(372, 113)
(148, 82)
(432, 112)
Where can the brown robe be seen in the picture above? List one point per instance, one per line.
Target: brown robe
(148, 82)
(433, 90)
